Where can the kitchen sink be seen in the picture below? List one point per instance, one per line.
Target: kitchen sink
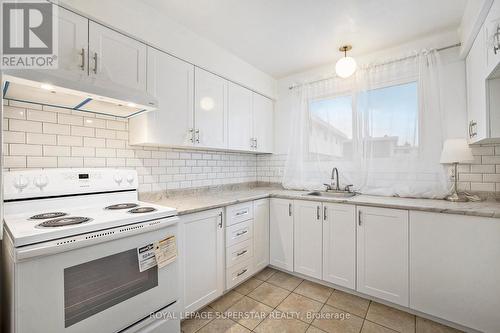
(333, 194)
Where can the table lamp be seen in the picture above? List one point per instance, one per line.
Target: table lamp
(456, 151)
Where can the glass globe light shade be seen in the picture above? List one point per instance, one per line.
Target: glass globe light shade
(345, 67)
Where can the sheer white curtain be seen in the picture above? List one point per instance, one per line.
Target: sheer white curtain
(382, 128)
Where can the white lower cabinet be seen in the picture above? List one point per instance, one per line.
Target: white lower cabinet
(261, 233)
(307, 244)
(382, 254)
(455, 271)
(281, 234)
(202, 258)
(339, 244)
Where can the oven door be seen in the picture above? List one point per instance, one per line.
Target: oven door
(98, 288)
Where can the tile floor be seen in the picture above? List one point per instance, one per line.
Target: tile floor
(277, 302)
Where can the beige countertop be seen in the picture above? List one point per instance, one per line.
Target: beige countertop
(199, 201)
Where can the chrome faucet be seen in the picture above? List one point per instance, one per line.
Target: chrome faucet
(335, 178)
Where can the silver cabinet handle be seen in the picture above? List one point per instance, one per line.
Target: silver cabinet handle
(318, 213)
(496, 37)
(255, 143)
(242, 212)
(473, 131)
(241, 253)
(95, 62)
(82, 65)
(220, 222)
(242, 272)
(191, 132)
(324, 213)
(197, 135)
(359, 217)
(289, 209)
(241, 233)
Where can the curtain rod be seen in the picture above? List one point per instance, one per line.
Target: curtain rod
(389, 62)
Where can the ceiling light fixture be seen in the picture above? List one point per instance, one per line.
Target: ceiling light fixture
(346, 66)
(131, 105)
(46, 86)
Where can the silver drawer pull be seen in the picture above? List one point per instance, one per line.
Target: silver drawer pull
(242, 272)
(241, 233)
(241, 253)
(242, 212)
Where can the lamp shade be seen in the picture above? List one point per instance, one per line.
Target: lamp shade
(456, 151)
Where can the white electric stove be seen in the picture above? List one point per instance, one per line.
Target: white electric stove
(79, 240)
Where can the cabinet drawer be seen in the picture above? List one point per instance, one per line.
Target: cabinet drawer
(238, 273)
(239, 213)
(239, 253)
(239, 232)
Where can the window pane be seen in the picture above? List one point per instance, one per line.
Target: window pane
(331, 126)
(391, 119)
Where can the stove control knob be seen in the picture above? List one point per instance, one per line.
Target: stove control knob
(41, 181)
(118, 179)
(21, 182)
(130, 179)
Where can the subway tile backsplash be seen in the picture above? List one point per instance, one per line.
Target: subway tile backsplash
(37, 136)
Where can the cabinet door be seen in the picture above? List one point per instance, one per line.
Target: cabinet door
(476, 90)
(454, 268)
(492, 31)
(263, 123)
(382, 249)
(261, 233)
(203, 258)
(339, 244)
(281, 233)
(116, 59)
(239, 118)
(170, 80)
(308, 231)
(210, 110)
(73, 45)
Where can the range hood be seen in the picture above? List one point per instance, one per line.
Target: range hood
(120, 103)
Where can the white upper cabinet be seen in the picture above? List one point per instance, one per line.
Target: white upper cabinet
(339, 244)
(476, 90)
(73, 32)
(261, 233)
(492, 31)
(382, 254)
(116, 58)
(308, 231)
(263, 124)
(171, 81)
(210, 110)
(281, 234)
(239, 118)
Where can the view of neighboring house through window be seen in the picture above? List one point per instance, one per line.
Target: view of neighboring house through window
(388, 126)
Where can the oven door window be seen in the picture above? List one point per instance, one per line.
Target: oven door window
(94, 286)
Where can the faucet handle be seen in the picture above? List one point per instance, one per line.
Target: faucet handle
(348, 188)
(328, 187)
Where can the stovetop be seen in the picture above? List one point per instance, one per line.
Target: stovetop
(67, 219)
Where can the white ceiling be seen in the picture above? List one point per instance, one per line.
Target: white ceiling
(281, 37)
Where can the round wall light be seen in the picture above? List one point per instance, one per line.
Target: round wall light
(346, 66)
(207, 103)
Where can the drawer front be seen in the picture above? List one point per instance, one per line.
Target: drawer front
(239, 232)
(239, 253)
(239, 213)
(239, 273)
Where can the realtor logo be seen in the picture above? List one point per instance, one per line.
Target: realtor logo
(29, 39)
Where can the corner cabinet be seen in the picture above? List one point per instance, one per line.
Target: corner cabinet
(171, 81)
(382, 253)
(263, 124)
(455, 271)
(240, 120)
(281, 234)
(202, 257)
